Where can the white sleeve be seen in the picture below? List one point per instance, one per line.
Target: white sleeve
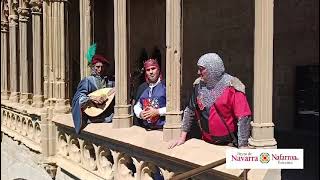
(137, 109)
(162, 111)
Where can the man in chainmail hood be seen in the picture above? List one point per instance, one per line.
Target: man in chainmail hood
(219, 104)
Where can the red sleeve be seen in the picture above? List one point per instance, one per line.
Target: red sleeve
(240, 105)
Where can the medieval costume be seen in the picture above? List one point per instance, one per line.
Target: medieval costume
(220, 106)
(151, 95)
(80, 99)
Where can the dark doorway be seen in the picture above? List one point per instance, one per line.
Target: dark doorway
(146, 37)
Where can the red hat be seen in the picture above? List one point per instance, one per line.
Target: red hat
(151, 62)
(99, 58)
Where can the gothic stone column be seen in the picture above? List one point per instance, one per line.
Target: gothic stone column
(262, 126)
(86, 35)
(14, 56)
(25, 97)
(56, 75)
(61, 57)
(4, 50)
(36, 6)
(173, 66)
(46, 41)
(122, 116)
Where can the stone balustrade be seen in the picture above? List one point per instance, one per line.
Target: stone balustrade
(101, 161)
(102, 152)
(22, 126)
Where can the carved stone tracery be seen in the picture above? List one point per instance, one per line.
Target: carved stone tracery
(89, 156)
(105, 162)
(74, 150)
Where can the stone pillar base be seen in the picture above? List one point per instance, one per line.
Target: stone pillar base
(14, 97)
(25, 98)
(62, 106)
(171, 129)
(171, 133)
(5, 95)
(37, 101)
(123, 117)
(262, 136)
(122, 121)
(262, 143)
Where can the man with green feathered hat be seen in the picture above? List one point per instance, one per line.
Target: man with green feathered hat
(97, 80)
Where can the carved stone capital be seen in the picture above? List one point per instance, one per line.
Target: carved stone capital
(14, 7)
(13, 20)
(23, 14)
(36, 6)
(4, 11)
(4, 26)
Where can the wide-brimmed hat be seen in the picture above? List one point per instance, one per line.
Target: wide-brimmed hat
(93, 109)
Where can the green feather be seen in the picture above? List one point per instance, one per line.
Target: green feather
(91, 52)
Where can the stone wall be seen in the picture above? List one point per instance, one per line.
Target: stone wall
(296, 43)
(216, 26)
(103, 30)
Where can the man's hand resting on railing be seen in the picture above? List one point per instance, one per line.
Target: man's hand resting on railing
(179, 141)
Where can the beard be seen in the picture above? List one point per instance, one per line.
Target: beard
(153, 78)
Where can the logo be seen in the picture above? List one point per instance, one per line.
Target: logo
(264, 157)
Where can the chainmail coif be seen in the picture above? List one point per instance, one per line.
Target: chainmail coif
(218, 80)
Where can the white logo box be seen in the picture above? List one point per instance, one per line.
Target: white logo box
(264, 159)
